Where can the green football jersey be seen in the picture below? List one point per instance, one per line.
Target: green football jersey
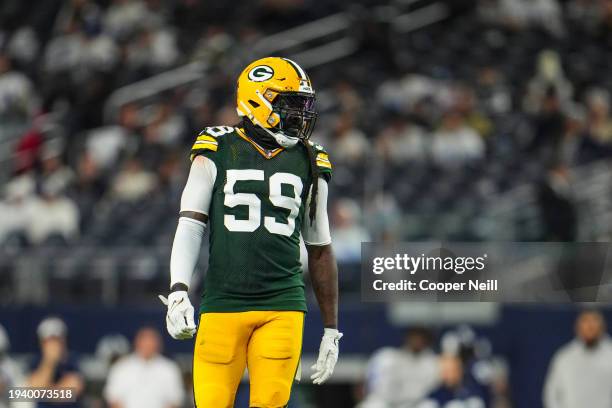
(255, 219)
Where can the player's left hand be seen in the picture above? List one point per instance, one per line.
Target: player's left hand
(179, 319)
(328, 356)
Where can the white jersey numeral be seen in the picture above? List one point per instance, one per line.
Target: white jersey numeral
(217, 131)
(233, 199)
(291, 203)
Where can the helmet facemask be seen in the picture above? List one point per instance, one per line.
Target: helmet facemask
(297, 115)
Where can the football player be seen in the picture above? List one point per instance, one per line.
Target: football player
(258, 186)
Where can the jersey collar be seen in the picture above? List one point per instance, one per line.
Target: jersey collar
(268, 154)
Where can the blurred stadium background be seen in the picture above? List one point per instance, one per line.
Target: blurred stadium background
(445, 120)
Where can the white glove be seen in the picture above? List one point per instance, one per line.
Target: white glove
(328, 356)
(179, 319)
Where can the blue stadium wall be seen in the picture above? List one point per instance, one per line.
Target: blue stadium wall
(526, 335)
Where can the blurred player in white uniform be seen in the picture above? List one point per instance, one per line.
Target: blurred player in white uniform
(401, 377)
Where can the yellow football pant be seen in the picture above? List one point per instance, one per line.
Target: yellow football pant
(267, 343)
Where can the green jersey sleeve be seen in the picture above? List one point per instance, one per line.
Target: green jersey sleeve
(208, 142)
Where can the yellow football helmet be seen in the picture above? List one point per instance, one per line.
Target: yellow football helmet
(276, 95)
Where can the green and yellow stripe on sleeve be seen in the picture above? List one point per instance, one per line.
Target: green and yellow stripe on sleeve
(323, 160)
(203, 144)
(323, 163)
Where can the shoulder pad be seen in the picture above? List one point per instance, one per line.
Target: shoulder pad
(322, 157)
(207, 139)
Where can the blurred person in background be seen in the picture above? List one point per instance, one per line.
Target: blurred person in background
(522, 14)
(484, 372)
(17, 94)
(548, 124)
(599, 120)
(17, 193)
(105, 145)
(465, 103)
(27, 151)
(347, 143)
(348, 229)
(383, 216)
(549, 75)
(145, 378)
(580, 373)
(23, 47)
(492, 91)
(54, 170)
(455, 143)
(402, 377)
(455, 391)
(11, 374)
(153, 50)
(597, 141)
(346, 98)
(557, 205)
(89, 187)
(169, 125)
(133, 182)
(56, 367)
(585, 14)
(111, 348)
(60, 63)
(123, 17)
(572, 146)
(52, 216)
(401, 141)
(76, 10)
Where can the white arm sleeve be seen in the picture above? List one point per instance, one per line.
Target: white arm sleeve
(198, 190)
(189, 232)
(318, 232)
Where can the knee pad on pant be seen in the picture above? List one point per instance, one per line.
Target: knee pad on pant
(214, 396)
(270, 394)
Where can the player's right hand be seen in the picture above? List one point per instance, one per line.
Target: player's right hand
(179, 319)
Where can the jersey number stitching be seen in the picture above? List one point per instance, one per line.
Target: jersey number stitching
(233, 199)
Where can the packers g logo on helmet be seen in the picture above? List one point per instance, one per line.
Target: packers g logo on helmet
(261, 73)
(276, 94)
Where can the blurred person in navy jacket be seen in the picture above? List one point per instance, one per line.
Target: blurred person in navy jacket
(456, 390)
(56, 367)
(482, 369)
